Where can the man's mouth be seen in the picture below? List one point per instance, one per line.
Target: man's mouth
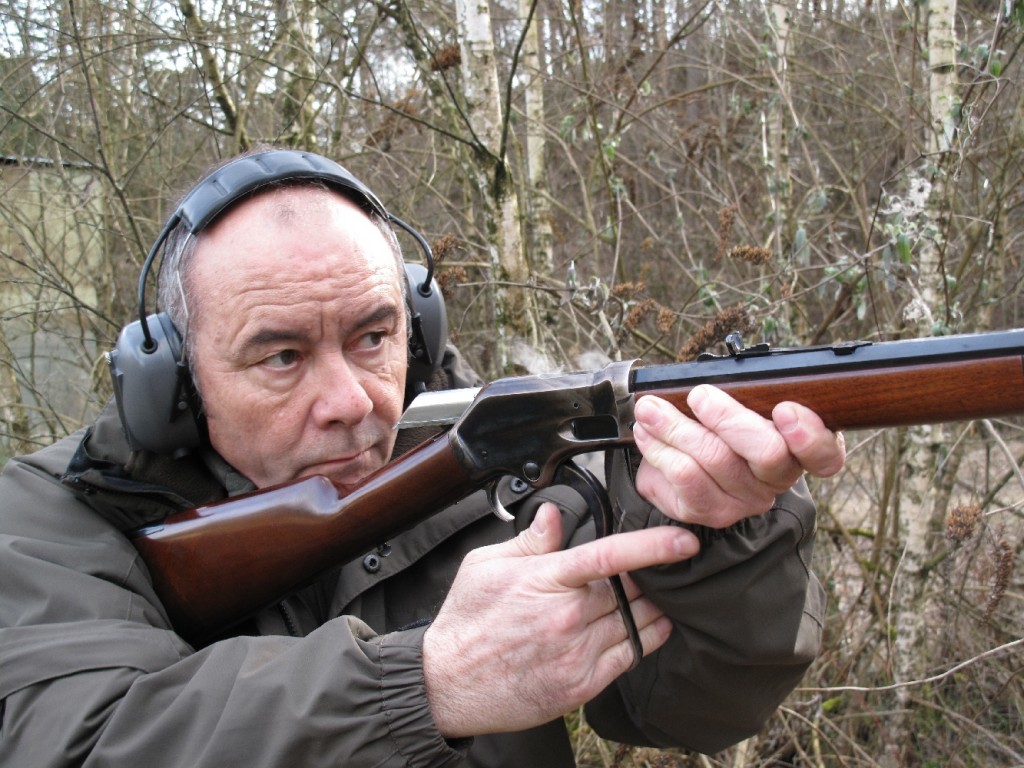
(346, 470)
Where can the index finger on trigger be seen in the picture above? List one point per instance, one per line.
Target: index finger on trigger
(622, 552)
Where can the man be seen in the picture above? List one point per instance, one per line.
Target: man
(461, 642)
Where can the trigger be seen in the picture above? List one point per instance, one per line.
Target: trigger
(496, 506)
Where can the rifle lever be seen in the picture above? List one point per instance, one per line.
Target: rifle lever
(599, 505)
(594, 494)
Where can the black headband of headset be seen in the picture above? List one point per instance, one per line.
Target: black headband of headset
(247, 174)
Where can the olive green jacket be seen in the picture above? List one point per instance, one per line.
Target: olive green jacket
(93, 674)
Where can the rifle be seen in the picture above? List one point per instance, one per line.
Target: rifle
(216, 565)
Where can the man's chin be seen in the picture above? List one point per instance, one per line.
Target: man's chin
(346, 474)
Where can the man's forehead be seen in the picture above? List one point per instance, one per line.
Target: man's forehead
(287, 202)
(292, 234)
(295, 217)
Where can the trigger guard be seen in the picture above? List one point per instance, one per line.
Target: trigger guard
(496, 506)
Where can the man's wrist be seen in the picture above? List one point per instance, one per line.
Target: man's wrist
(405, 701)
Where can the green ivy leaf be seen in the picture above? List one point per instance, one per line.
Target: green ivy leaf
(903, 248)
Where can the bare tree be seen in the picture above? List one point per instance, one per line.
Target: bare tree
(538, 187)
(890, 207)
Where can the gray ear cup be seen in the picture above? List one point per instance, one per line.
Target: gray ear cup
(429, 332)
(153, 388)
(159, 408)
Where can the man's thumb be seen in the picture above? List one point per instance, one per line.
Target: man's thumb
(544, 534)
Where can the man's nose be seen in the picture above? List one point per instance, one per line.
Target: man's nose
(341, 395)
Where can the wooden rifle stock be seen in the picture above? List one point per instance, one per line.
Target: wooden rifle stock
(216, 565)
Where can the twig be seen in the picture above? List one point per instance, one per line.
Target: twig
(1005, 449)
(925, 681)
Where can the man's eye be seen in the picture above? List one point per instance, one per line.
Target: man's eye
(372, 340)
(283, 359)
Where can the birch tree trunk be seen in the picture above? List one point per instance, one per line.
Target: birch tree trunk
(925, 497)
(490, 173)
(776, 149)
(538, 206)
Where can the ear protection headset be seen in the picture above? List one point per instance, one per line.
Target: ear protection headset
(156, 400)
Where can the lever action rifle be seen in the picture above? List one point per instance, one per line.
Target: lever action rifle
(216, 565)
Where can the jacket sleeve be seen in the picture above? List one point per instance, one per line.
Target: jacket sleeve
(91, 673)
(747, 613)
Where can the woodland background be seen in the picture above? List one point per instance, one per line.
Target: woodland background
(602, 181)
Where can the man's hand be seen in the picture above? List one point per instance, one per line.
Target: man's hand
(730, 463)
(529, 632)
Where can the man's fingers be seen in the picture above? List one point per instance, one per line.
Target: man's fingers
(610, 628)
(820, 451)
(774, 452)
(654, 629)
(699, 474)
(576, 567)
(542, 537)
(544, 534)
(601, 600)
(661, 447)
(750, 436)
(549, 608)
(622, 552)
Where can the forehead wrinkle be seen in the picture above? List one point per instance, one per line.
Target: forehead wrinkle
(385, 312)
(277, 333)
(265, 337)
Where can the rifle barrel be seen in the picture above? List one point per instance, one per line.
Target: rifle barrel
(864, 386)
